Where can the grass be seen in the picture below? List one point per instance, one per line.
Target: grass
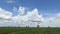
(27, 30)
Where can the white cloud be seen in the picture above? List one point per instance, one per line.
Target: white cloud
(56, 21)
(34, 15)
(48, 22)
(5, 17)
(32, 19)
(21, 10)
(5, 14)
(28, 18)
(52, 21)
(58, 14)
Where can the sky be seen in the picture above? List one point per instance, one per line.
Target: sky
(21, 13)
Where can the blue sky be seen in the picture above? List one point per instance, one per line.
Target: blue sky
(50, 6)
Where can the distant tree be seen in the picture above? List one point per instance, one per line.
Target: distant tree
(27, 26)
(37, 26)
(48, 26)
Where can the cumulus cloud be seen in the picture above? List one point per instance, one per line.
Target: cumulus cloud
(31, 19)
(52, 21)
(56, 21)
(28, 18)
(5, 14)
(21, 10)
(25, 20)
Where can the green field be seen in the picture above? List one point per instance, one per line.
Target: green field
(27, 30)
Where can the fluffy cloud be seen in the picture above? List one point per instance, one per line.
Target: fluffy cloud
(5, 17)
(52, 21)
(5, 14)
(56, 21)
(31, 19)
(21, 10)
(34, 15)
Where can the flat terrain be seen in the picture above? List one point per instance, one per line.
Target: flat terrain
(27, 30)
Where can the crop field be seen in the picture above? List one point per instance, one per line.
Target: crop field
(27, 30)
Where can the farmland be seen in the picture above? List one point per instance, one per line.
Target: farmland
(27, 30)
